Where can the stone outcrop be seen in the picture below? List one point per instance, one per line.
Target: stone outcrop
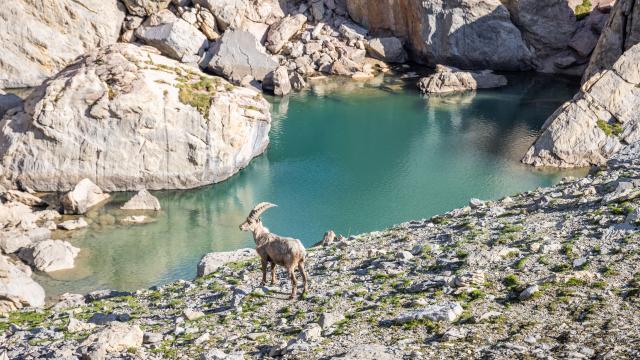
(40, 37)
(278, 82)
(126, 117)
(451, 80)
(242, 14)
(547, 27)
(73, 224)
(598, 122)
(115, 337)
(212, 261)
(387, 49)
(83, 197)
(543, 35)
(280, 33)
(24, 198)
(50, 255)
(471, 34)
(238, 55)
(11, 242)
(173, 36)
(143, 200)
(621, 32)
(586, 37)
(13, 214)
(17, 289)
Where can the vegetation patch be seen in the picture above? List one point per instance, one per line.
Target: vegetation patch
(583, 10)
(624, 208)
(25, 319)
(511, 280)
(614, 129)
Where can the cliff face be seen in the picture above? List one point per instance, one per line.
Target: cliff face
(488, 34)
(602, 118)
(621, 33)
(469, 34)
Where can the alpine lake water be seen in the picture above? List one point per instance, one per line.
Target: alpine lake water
(344, 155)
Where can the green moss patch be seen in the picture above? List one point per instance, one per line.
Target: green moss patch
(583, 10)
(614, 129)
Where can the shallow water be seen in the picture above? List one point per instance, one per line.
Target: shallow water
(343, 156)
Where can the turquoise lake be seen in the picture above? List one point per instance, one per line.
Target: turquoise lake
(348, 156)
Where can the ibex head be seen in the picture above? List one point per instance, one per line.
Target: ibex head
(254, 216)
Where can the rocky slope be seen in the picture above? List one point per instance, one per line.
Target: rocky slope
(40, 37)
(175, 126)
(546, 273)
(602, 117)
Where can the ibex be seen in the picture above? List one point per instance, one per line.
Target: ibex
(275, 249)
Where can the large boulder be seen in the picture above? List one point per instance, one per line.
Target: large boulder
(40, 37)
(597, 123)
(547, 25)
(228, 13)
(116, 337)
(126, 117)
(173, 36)
(12, 241)
(212, 261)
(83, 197)
(586, 37)
(278, 82)
(23, 197)
(14, 214)
(243, 14)
(387, 49)
(143, 200)
(17, 289)
(238, 55)
(471, 34)
(450, 80)
(621, 32)
(280, 33)
(50, 255)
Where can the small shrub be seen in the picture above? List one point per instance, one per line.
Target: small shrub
(200, 101)
(614, 129)
(511, 280)
(520, 263)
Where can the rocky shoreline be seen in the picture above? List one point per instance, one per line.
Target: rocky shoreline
(546, 273)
